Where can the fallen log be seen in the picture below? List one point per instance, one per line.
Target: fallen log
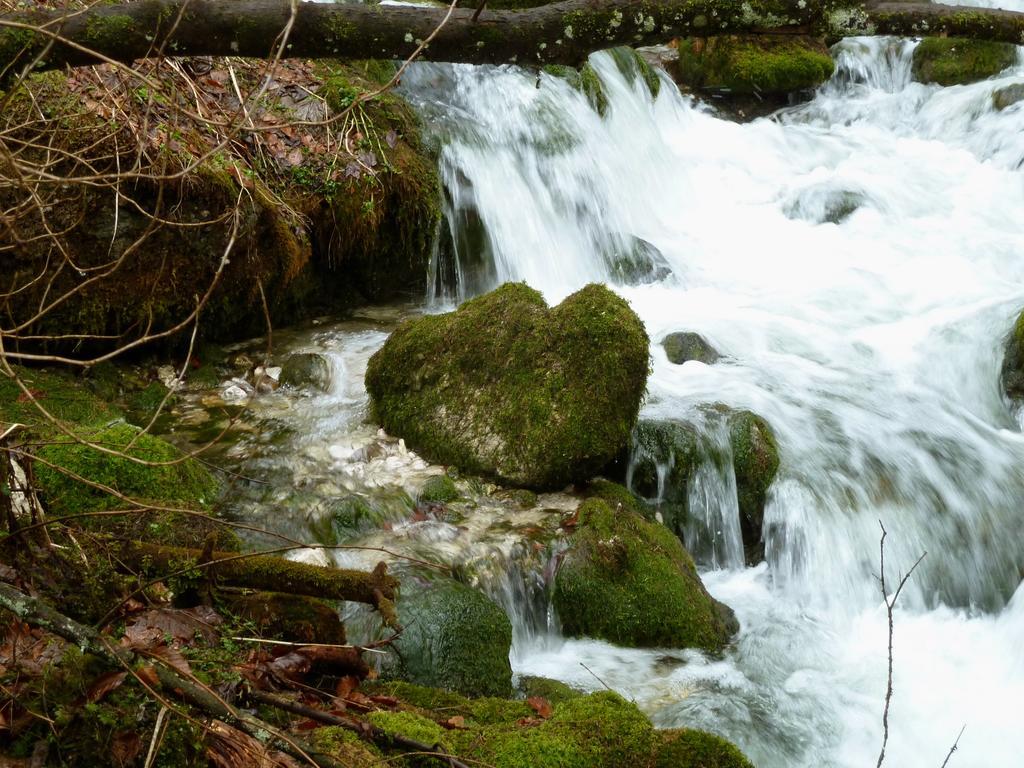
(265, 572)
(560, 33)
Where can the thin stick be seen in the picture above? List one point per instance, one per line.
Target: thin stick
(889, 605)
(954, 747)
(602, 682)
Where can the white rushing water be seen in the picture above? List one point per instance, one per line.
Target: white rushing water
(871, 342)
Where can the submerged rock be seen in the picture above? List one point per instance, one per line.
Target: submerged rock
(507, 388)
(1006, 97)
(454, 638)
(675, 450)
(631, 64)
(640, 263)
(306, 369)
(629, 581)
(684, 346)
(956, 61)
(1013, 361)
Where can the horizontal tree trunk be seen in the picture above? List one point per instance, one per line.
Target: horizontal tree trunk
(560, 33)
(266, 572)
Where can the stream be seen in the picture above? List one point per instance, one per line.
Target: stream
(857, 260)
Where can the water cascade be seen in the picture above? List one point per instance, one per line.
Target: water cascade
(857, 261)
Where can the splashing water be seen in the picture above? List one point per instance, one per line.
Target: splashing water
(858, 261)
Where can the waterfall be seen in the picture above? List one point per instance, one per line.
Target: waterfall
(857, 260)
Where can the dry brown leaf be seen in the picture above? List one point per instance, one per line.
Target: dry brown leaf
(172, 656)
(227, 747)
(125, 748)
(540, 705)
(104, 684)
(346, 685)
(456, 723)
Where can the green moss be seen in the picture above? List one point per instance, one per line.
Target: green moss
(697, 749)
(956, 61)
(630, 582)
(62, 395)
(601, 729)
(554, 691)
(185, 482)
(409, 725)
(107, 31)
(454, 638)
(506, 388)
(346, 747)
(617, 496)
(440, 489)
(753, 64)
(755, 456)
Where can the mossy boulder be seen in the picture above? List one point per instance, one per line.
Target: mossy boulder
(306, 370)
(666, 454)
(554, 691)
(507, 388)
(745, 65)
(629, 581)
(685, 748)
(600, 729)
(683, 346)
(957, 61)
(439, 489)
(149, 470)
(755, 460)
(454, 638)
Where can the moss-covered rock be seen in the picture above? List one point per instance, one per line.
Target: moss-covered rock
(666, 454)
(150, 470)
(601, 729)
(1013, 361)
(153, 470)
(306, 369)
(440, 489)
(629, 581)
(683, 346)
(454, 638)
(554, 691)
(687, 748)
(755, 460)
(507, 388)
(956, 61)
(743, 65)
(631, 64)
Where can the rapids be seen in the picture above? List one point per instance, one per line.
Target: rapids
(872, 346)
(857, 260)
